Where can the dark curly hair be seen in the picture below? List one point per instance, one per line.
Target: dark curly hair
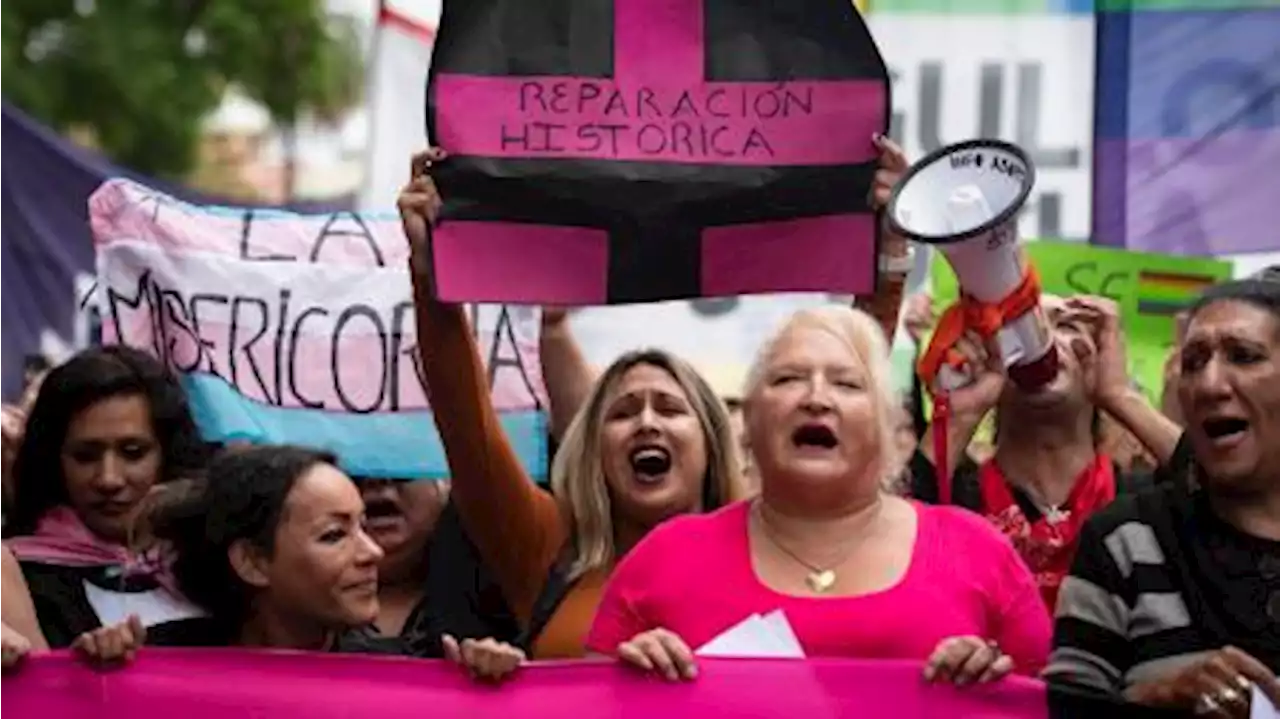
(242, 498)
(90, 377)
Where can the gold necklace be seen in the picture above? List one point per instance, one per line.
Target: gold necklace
(819, 579)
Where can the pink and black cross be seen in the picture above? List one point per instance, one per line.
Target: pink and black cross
(703, 148)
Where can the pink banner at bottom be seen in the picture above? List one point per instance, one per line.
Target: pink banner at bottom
(217, 684)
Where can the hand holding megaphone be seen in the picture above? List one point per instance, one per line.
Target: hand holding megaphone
(978, 380)
(965, 199)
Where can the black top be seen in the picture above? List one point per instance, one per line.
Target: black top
(61, 606)
(462, 598)
(61, 602)
(1157, 578)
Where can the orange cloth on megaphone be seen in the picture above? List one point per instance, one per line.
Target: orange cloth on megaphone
(983, 318)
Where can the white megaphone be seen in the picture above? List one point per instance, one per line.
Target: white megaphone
(965, 200)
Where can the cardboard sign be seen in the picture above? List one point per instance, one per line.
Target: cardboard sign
(641, 150)
(298, 329)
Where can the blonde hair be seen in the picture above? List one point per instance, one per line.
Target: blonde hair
(862, 335)
(577, 473)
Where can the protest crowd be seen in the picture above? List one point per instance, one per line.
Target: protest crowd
(1123, 551)
(1126, 572)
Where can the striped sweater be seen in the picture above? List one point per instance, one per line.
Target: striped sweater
(1157, 582)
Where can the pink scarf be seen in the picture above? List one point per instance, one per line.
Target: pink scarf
(62, 540)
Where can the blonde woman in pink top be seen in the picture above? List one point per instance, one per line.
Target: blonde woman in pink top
(857, 570)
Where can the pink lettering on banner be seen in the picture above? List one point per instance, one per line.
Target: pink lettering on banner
(216, 684)
(658, 107)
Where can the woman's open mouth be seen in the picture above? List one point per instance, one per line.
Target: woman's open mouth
(815, 437)
(1225, 432)
(650, 463)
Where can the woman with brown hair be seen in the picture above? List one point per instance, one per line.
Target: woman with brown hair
(651, 441)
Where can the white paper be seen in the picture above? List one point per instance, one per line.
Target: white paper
(153, 607)
(1261, 707)
(744, 639)
(756, 637)
(777, 624)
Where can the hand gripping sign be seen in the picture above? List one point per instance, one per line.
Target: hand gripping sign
(965, 199)
(639, 150)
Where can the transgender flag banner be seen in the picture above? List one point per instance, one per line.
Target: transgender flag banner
(1187, 142)
(298, 329)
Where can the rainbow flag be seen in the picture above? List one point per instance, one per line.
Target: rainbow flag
(1167, 293)
(1187, 126)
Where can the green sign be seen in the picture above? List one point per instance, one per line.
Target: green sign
(1150, 289)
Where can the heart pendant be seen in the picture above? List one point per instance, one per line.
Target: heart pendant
(820, 582)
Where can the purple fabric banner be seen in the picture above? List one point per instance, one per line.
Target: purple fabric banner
(1187, 133)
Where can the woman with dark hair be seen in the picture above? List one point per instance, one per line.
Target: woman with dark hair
(273, 549)
(107, 428)
(1174, 596)
(650, 440)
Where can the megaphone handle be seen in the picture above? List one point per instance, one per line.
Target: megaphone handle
(941, 467)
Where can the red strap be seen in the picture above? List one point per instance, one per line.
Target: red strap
(941, 467)
(967, 314)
